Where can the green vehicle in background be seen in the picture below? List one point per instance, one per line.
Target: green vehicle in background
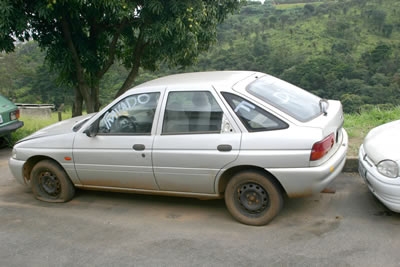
(9, 115)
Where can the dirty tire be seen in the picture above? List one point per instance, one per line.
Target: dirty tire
(5, 141)
(253, 198)
(50, 182)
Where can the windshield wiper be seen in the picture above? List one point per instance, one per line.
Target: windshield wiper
(323, 105)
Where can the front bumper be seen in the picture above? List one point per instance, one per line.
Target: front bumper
(387, 190)
(16, 167)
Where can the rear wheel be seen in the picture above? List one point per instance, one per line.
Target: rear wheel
(50, 182)
(253, 198)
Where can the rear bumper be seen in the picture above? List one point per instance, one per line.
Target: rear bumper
(10, 127)
(299, 182)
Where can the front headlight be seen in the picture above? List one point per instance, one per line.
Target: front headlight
(388, 168)
(14, 154)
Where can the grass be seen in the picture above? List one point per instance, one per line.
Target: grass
(356, 125)
(289, 6)
(35, 123)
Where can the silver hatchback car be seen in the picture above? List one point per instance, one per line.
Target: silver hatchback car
(245, 136)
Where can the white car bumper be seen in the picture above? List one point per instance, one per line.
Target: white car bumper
(387, 190)
(16, 167)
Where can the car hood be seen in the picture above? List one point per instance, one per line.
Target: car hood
(61, 127)
(6, 105)
(383, 142)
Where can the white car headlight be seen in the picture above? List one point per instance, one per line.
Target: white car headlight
(388, 168)
(14, 154)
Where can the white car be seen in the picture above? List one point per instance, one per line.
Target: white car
(379, 163)
(245, 136)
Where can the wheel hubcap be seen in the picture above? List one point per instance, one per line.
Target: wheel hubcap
(50, 184)
(253, 197)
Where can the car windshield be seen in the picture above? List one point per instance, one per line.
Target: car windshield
(287, 97)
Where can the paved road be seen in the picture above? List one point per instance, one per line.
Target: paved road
(347, 228)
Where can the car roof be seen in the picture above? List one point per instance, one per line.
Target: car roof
(227, 78)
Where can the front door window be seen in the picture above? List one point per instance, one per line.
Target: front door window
(132, 115)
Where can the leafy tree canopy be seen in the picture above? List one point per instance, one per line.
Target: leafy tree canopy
(83, 38)
(335, 51)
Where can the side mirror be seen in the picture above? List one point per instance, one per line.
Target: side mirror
(92, 130)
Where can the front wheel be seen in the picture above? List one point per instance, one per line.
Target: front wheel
(253, 198)
(51, 183)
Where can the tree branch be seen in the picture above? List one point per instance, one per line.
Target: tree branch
(112, 50)
(135, 68)
(78, 67)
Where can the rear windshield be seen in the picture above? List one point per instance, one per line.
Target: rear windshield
(296, 102)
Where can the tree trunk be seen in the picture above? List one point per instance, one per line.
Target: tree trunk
(140, 46)
(129, 81)
(83, 95)
(95, 95)
(78, 104)
(87, 95)
(91, 96)
(83, 92)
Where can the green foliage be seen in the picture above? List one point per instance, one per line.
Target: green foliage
(34, 123)
(336, 49)
(82, 39)
(346, 50)
(25, 79)
(370, 116)
(351, 103)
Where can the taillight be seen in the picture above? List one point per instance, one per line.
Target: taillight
(14, 115)
(321, 148)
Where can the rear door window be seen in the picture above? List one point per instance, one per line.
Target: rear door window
(254, 118)
(192, 112)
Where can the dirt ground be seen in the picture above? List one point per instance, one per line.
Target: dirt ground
(346, 227)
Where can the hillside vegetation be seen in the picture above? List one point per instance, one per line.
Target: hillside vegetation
(344, 49)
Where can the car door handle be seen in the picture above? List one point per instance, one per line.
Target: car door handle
(138, 147)
(224, 148)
